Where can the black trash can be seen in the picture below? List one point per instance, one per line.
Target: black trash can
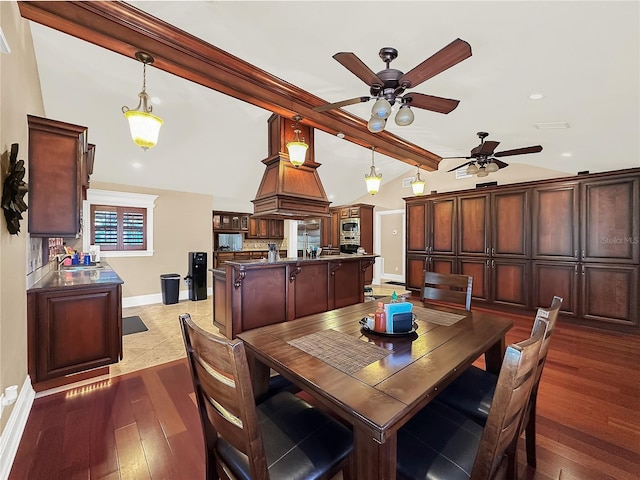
(170, 288)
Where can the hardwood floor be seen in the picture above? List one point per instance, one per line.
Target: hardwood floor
(144, 424)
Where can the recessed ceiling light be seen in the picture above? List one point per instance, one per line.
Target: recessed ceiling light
(136, 165)
(156, 100)
(536, 96)
(566, 154)
(340, 135)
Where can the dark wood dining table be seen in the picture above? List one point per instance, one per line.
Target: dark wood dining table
(376, 399)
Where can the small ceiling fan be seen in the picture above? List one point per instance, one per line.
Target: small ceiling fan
(483, 159)
(389, 85)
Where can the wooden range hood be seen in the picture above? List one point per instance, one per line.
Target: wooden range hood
(286, 191)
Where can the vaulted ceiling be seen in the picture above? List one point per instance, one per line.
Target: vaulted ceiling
(584, 57)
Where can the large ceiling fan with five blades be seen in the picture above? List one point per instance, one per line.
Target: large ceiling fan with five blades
(389, 85)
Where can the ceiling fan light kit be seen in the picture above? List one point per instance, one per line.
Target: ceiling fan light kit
(404, 117)
(388, 86)
(144, 126)
(376, 124)
(297, 148)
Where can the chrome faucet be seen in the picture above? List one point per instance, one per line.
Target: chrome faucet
(62, 258)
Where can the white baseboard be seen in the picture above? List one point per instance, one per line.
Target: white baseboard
(391, 276)
(141, 300)
(14, 428)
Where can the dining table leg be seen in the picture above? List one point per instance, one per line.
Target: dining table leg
(493, 356)
(374, 460)
(259, 375)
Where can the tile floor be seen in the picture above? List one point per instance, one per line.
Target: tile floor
(163, 341)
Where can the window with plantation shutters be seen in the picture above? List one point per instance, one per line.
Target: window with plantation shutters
(118, 228)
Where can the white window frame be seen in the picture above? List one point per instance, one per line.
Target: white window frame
(119, 199)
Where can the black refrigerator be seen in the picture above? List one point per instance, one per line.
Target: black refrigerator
(197, 278)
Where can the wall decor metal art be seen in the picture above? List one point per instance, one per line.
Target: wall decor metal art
(13, 192)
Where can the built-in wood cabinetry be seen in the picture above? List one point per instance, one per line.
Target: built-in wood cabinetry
(577, 237)
(265, 228)
(59, 169)
(251, 295)
(493, 244)
(330, 229)
(72, 331)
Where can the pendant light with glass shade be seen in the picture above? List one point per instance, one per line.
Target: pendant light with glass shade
(373, 179)
(417, 185)
(144, 126)
(297, 148)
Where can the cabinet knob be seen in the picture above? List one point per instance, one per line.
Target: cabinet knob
(493, 264)
(575, 268)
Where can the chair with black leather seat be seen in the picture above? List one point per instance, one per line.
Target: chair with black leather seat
(472, 392)
(457, 288)
(441, 443)
(281, 437)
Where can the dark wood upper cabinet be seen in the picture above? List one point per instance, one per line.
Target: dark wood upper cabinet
(610, 220)
(555, 234)
(57, 162)
(416, 220)
(431, 226)
(495, 224)
(473, 217)
(510, 222)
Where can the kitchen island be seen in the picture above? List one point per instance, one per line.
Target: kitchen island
(74, 325)
(253, 293)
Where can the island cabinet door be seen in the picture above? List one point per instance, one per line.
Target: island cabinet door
(77, 330)
(308, 292)
(346, 284)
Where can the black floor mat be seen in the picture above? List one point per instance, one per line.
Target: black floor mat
(394, 283)
(133, 325)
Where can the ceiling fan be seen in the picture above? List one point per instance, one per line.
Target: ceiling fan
(389, 85)
(483, 159)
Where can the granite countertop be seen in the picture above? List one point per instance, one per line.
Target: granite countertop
(69, 278)
(321, 258)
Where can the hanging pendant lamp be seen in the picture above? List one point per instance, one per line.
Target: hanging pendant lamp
(373, 179)
(297, 148)
(418, 184)
(144, 126)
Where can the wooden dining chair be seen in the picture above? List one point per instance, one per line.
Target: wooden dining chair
(448, 287)
(282, 437)
(439, 442)
(473, 391)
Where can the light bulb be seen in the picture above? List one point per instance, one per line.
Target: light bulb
(404, 116)
(472, 169)
(382, 108)
(376, 124)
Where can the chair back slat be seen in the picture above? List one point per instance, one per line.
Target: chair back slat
(510, 400)
(224, 393)
(448, 287)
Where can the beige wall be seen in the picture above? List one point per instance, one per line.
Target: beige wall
(391, 243)
(19, 95)
(182, 224)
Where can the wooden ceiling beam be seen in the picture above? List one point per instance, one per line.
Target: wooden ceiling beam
(124, 29)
